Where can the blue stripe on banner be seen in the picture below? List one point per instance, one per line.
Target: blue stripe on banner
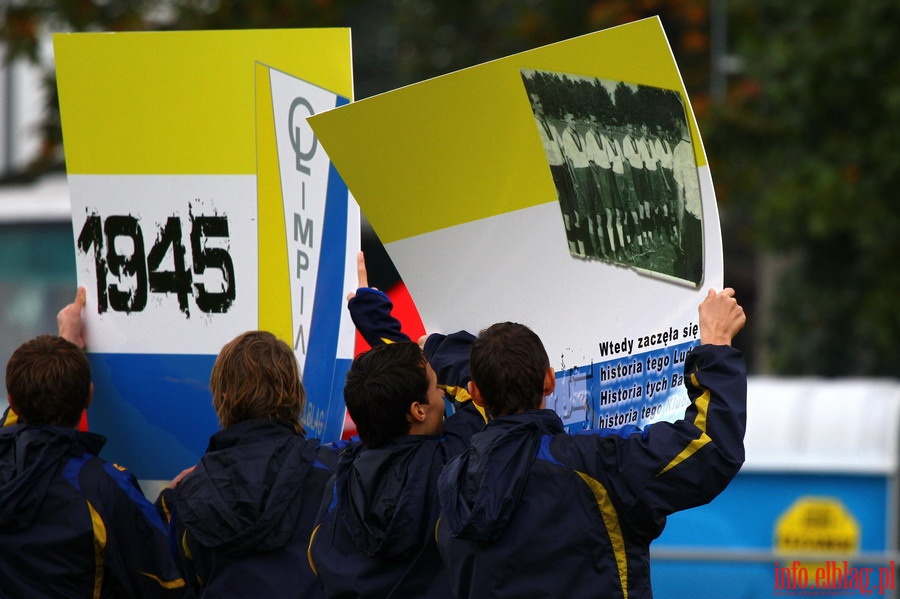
(323, 374)
(154, 409)
(629, 390)
(639, 388)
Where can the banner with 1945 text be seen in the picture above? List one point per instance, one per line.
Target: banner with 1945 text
(203, 206)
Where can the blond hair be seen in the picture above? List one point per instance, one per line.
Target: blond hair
(256, 375)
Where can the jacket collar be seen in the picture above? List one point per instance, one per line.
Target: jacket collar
(547, 420)
(256, 429)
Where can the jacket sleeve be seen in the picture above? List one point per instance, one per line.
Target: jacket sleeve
(136, 552)
(669, 467)
(449, 357)
(163, 504)
(182, 548)
(467, 420)
(370, 310)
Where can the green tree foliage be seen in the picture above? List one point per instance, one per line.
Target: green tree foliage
(806, 155)
(395, 42)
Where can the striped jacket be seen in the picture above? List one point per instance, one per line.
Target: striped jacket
(240, 522)
(374, 538)
(74, 525)
(530, 511)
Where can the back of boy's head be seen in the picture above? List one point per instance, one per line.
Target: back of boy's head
(508, 363)
(49, 381)
(256, 375)
(381, 385)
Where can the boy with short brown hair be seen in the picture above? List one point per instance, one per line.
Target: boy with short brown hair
(71, 524)
(242, 518)
(531, 511)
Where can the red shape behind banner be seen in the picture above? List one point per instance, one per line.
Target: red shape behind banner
(410, 323)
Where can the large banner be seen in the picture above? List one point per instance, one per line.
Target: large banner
(203, 206)
(565, 188)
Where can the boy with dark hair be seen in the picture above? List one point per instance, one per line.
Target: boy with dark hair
(530, 511)
(240, 521)
(71, 328)
(511, 366)
(392, 391)
(71, 524)
(376, 533)
(53, 393)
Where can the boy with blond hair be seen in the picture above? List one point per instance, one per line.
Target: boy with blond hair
(242, 518)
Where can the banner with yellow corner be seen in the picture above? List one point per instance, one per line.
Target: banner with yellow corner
(565, 188)
(203, 206)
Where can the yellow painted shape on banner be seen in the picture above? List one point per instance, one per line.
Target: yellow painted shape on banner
(180, 102)
(817, 525)
(464, 146)
(274, 270)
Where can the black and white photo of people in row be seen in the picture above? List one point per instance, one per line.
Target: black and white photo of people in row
(624, 169)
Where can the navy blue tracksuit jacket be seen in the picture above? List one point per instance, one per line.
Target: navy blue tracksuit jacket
(376, 533)
(532, 512)
(74, 525)
(240, 522)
